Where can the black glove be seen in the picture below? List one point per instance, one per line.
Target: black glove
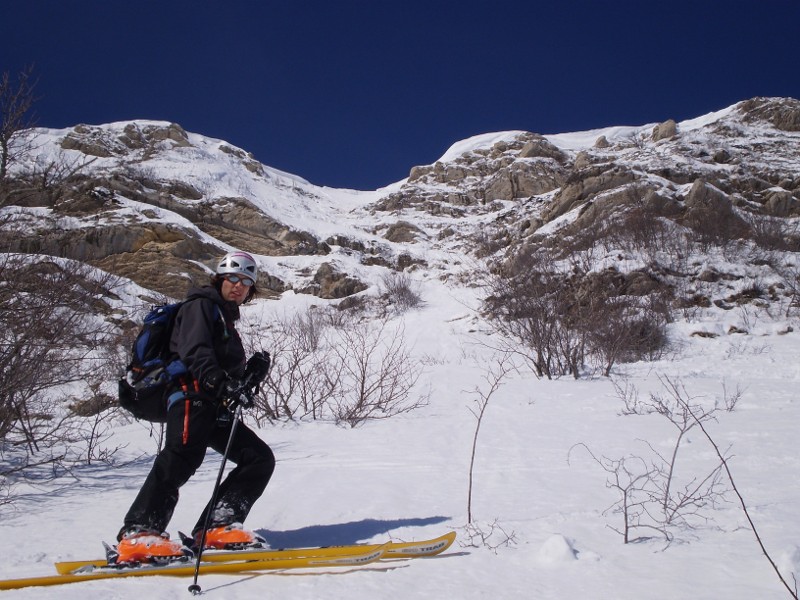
(213, 381)
(257, 368)
(235, 392)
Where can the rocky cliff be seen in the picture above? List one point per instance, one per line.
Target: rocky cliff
(154, 203)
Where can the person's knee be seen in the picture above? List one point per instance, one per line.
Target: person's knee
(255, 458)
(265, 462)
(260, 465)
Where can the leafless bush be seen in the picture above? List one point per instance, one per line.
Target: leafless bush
(526, 303)
(622, 328)
(401, 291)
(494, 378)
(48, 182)
(377, 374)
(49, 334)
(487, 242)
(715, 226)
(651, 495)
(302, 380)
(16, 103)
(684, 412)
(52, 333)
(326, 366)
(97, 410)
(633, 478)
(679, 246)
(724, 461)
(560, 322)
(639, 229)
(491, 536)
(774, 234)
(646, 230)
(787, 268)
(305, 375)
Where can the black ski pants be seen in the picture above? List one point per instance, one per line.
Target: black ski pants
(193, 425)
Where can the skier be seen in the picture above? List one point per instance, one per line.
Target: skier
(205, 339)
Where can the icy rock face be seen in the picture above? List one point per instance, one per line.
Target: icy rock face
(782, 113)
(148, 201)
(746, 156)
(94, 141)
(522, 167)
(128, 195)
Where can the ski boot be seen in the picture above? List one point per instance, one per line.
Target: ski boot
(230, 537)
(147, 546)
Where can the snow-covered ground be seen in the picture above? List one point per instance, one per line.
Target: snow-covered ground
(406, 478)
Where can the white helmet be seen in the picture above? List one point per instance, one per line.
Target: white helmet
(238, 263)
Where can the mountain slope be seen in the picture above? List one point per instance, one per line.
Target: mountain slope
(152, 202)
(555, 460)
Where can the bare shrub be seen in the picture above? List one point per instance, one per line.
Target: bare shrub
(326, 366)
(304, 376)
(526, 303)
(51, 326)
(715, 226)
(639, 229)
(684, 412)
(560, 322)
(774, 234)
(48, 182)
(787, 268)
(488, 242)
(645, 231)
(401, 291)
(724, 461)
(494, 378)
(48, 334)
(377, 373)
(97, 409)
(16, 103)
(491, 536)
(651, 493)
(86, 431)
(633, 478)
(621, 329)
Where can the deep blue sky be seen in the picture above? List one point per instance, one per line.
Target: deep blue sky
(353, 93)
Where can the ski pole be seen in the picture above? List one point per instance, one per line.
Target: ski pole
(195, 588)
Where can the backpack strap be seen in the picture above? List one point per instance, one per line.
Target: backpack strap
(226, 335)
(181, 376)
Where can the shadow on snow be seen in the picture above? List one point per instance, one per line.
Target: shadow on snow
(341, 534)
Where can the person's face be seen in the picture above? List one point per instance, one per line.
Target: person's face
(235, 288)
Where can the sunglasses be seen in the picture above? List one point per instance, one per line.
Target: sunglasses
(234, 279)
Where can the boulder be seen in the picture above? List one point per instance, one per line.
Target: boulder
(329, 283)
(666, 130)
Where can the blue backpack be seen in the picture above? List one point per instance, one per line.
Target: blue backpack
(142, 391)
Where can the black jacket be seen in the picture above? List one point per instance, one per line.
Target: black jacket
(206, 340)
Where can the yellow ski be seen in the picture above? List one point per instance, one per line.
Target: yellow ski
(392, 550)
(92, 572)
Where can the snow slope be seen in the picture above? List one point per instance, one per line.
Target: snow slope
(548, 505)
(406, 478)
